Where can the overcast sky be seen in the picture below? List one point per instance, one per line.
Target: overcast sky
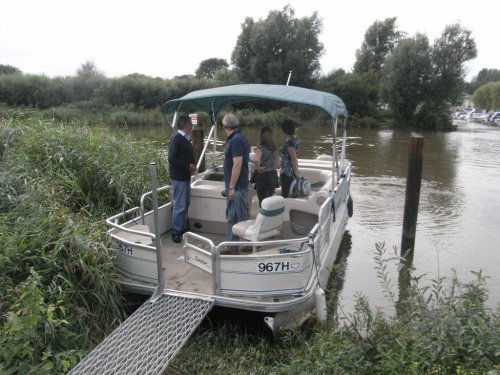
(169, 38)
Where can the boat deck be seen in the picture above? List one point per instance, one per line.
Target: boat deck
(180, 275)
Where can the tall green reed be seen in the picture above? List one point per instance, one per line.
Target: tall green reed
(58, 183)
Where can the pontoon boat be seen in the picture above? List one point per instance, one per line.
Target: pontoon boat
(285, 254)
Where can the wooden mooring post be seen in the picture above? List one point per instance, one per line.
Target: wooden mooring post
(412, 198)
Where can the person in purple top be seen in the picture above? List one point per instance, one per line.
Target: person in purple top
(181, 166)
(236, 156)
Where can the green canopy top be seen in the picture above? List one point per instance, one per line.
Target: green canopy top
(217, 98)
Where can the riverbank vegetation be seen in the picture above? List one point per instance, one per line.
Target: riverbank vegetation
(375, 92)
(58, 181)
(57, 184)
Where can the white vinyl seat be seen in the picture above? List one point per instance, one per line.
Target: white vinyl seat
(267, 224)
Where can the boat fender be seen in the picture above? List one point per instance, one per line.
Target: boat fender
(270, 322)
(320, 299)
(350, 206)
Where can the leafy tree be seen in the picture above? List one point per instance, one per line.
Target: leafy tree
(33, 90)
(358, 91)
(87, 82)
(138, 89)
(8, 69)
(88, 70)
(406, 75)
(226, 77)
(243, 51)
(484, 76)
(209, 67)
(380, 39)
(488, 96)
(449, 54)
(421, 83)
(183, 77)
(268, 49)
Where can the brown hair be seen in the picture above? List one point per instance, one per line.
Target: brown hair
(288, 127)
(183, 121)
(266, 138)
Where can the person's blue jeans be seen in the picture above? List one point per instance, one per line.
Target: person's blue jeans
(182, 199)
(236, 211)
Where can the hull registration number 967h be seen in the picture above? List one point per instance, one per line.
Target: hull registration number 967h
(278, 266)
(123, 247)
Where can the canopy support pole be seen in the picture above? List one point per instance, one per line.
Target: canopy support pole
(334, 161)
(344, 141)
(214, 122)
(174, 121)
(205, 147)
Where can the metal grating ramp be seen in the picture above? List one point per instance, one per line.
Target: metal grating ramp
(149, 339)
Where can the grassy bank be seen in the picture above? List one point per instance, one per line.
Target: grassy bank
(58, 299)
(58, 182)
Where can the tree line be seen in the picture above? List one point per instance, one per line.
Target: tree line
(403, 77)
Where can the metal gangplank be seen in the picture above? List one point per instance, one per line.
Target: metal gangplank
(149, 339)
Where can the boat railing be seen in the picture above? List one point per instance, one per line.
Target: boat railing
(328, 210)
(248, 268)
(147, 194)
(116, 222)
(200, 257)
(204, 254)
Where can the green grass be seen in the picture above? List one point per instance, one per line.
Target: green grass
(57, 291)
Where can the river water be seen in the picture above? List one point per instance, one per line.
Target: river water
(458, 227)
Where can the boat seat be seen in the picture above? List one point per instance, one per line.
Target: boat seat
(267, 224)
